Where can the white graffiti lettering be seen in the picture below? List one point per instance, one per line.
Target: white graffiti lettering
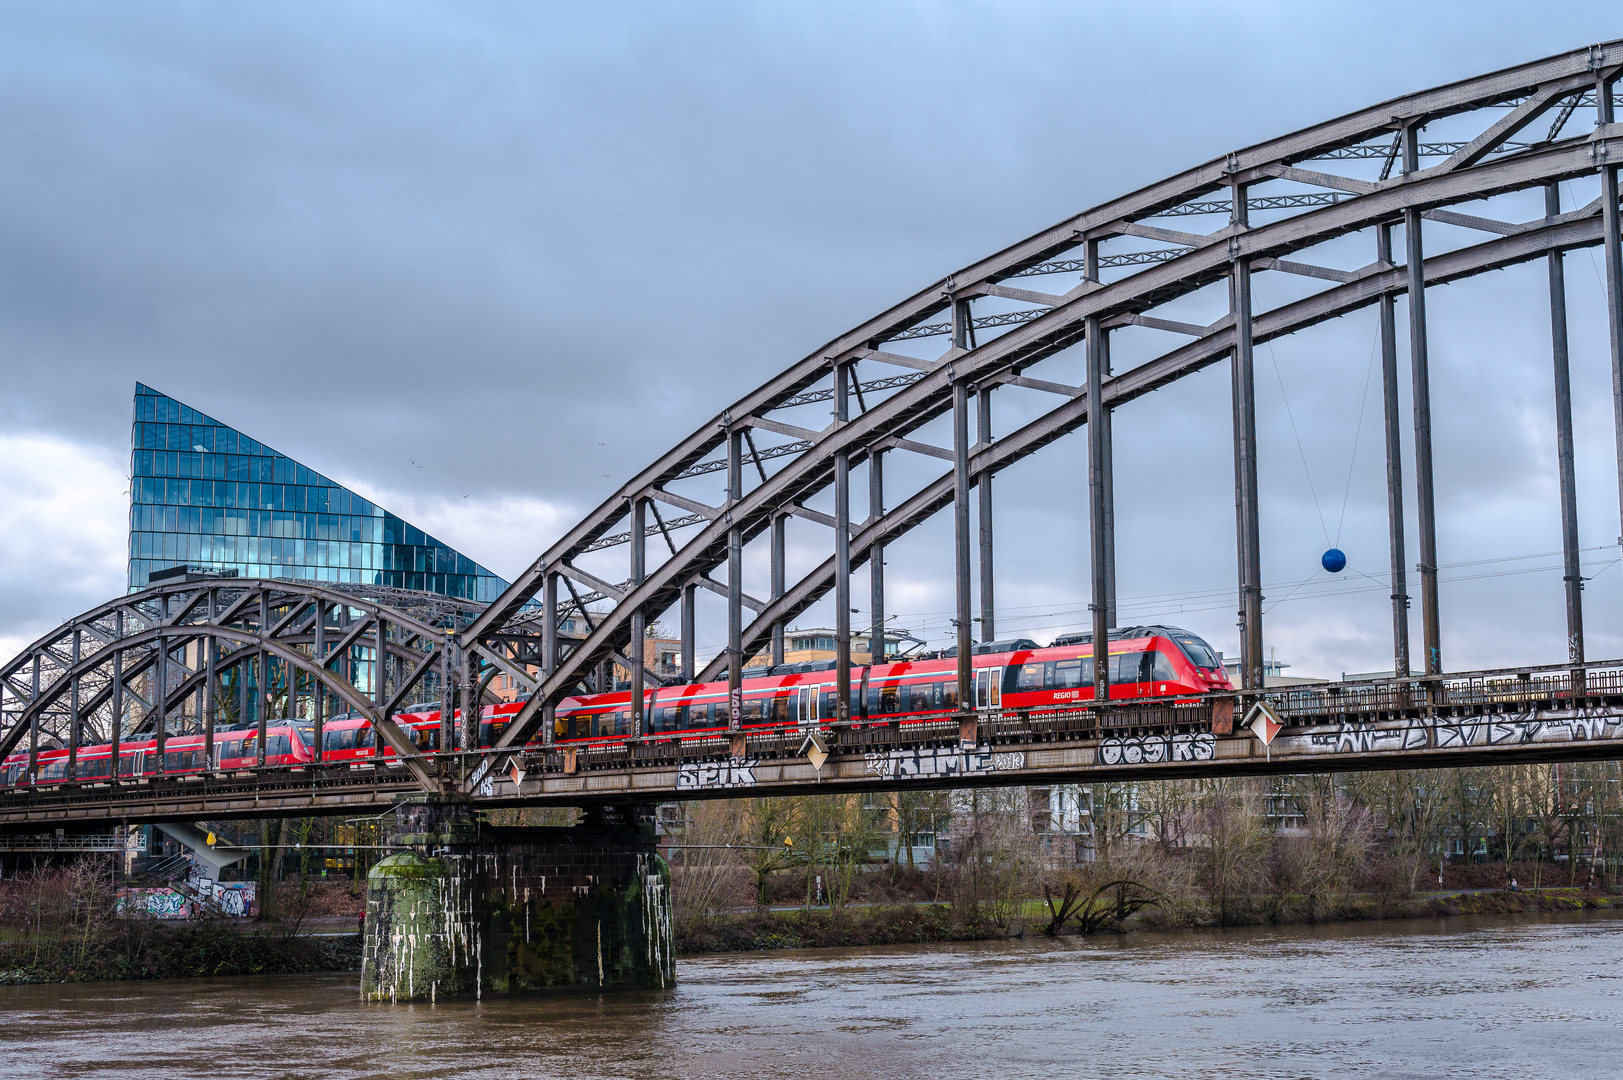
(1155, 749)
(1454, 733)
(732, 773)
(915, 764)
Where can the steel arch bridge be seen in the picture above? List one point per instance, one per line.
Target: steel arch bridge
(1374, 174)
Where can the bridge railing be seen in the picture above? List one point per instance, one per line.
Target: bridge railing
(1522, 688)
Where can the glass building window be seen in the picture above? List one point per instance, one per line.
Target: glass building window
(206, 494)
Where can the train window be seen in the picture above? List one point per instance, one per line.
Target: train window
(755, 710)
(778, 709)
(181, 760)
(335, 740)
(56, 770)
(94, 767)
(129, 764)
(365, 739)
(947, 695)
(669, 718)
(278, 746)
(1030, 677)
(883, 701)
(1200, 653)
(1161, 669)
(921, 697)
(1068, 674)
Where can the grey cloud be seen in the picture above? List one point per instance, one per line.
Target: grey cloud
(504, 235)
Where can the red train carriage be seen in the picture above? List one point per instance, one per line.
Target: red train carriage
(285, 745)
(1145, 662)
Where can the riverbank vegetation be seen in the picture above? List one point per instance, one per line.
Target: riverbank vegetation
(934, 866)
(63, 924)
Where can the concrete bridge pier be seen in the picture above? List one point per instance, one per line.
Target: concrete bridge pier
(466, 908)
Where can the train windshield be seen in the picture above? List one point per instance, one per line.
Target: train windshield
(1200, 654)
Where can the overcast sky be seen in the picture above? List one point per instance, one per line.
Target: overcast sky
(481, 262)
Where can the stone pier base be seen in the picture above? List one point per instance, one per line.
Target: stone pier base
(467, 909)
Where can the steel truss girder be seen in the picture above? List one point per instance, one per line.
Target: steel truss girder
(169, 617)
(1477, 169)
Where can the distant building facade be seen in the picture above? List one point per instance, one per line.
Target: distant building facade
(205, 496)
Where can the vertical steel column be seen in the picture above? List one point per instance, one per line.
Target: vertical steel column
(639, 621)
(472, 700)
(33, 724)
(160, 702)
(961, 323)
(842, 551)
(983, 517)
(1425, 493)
(1107, 421)
(1612, 255)
(1394, 462)
(262, 700)
(735, 582)
(211, 694)
(1245, 462)
(549, 653)
(448, 651)
(778, 523)
(1102, 417)
(961, 545)
(687, 632)
(380, 683)
(118, 694)
(876, 559)
(1098, 602)
(74, 723)
(1571, 570)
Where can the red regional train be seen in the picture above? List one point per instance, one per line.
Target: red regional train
(1145, 662)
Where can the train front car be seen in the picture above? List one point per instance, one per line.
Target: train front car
(1145, 662)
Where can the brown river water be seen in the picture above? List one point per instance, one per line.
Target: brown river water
(1503, 997)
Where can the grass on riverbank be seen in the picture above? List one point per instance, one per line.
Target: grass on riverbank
(920, 923)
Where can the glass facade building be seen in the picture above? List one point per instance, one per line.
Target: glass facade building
(204, 494)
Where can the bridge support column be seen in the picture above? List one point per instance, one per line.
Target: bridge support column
(1612, 256)
(842, 552)
(639, 622)
(876, 559)
(1571, 567)
(1420, 372)
(965, 637)
(778, 543)
(1098, 524)
(735, 587)
(466, 909)
(1394, 463)
(983, 491)
(1245, 465)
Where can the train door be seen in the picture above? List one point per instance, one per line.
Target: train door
(806, 707)
(988, 687)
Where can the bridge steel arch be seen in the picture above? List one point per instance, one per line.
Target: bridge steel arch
(307, 651)
(1264, 208)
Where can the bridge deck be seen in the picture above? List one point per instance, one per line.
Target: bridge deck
(1483, 718)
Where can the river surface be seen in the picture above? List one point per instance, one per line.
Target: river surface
(1503, 997)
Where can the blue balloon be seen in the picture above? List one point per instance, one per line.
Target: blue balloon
(1335, 560)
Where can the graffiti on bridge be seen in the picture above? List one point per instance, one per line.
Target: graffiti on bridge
(732, 773)
(1448, 733)
(1155, 749)
(924, 764)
